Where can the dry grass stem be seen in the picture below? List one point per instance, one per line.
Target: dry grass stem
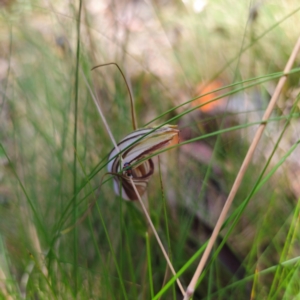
(3, 289)
(37, 248)
(157, 237)
(101, 113)
(241, 173)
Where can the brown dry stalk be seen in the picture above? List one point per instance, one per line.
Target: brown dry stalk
(157, 237)
(241, 173)
(37, 248)
(100, 111)
(3, 288)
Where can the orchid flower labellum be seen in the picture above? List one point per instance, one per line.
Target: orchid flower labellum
(133, 149)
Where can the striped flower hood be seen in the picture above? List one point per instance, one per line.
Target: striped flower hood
(134, 148)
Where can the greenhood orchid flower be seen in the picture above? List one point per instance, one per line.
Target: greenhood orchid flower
(134, 148)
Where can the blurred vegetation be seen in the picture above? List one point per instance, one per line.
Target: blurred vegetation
(169, 51)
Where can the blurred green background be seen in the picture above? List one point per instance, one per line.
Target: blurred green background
(54, 147)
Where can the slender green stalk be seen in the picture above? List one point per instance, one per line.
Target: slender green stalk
(149, 265)
(75, 215)
(280, 275)
(29, 200)
(288, 264)
(166, 221)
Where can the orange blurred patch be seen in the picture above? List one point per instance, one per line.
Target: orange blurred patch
(174, 141)
(209, 89)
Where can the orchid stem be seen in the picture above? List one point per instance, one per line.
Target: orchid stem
(157, 237)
